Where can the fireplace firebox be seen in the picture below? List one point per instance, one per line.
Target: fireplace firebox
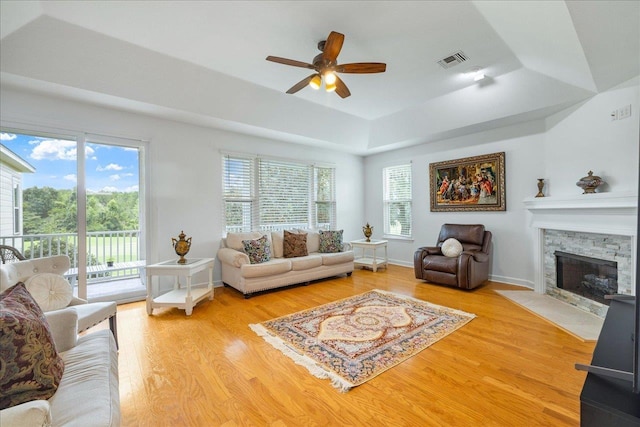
(589, 277)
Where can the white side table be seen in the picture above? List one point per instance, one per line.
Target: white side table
(180, 297)
(374, 261)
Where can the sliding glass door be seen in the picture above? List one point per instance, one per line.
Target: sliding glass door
(82, 196)
(114, 218)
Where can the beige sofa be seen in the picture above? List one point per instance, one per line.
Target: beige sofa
(88, 392)
(239, 273)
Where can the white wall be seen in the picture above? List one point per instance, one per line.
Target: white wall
(560, 149)
(8, 177)
(186, 189)
(184, 167)
(585, 138)
(523, 164)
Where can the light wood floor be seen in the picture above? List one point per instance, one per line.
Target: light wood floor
(507, 367)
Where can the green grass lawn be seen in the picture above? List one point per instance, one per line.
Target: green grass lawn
(102, 247)
(117, 248)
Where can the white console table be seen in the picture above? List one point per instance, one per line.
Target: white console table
(181, 297)
(373, 260)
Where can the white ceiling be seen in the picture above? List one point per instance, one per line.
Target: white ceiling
(204, 62)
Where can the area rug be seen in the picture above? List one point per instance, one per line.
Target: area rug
(355, 339)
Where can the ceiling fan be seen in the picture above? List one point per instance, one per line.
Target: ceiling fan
(326, 66)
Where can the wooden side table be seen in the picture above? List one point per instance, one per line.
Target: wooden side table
(374, 261)
(180, 297)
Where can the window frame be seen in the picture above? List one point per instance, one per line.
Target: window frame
(388, 200)
(249, 186)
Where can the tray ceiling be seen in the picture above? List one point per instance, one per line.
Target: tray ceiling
(204, 62)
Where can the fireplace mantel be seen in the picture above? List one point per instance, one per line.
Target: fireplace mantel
(596, 202)
(603, 213)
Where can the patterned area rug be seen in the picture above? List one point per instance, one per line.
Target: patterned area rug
(355, 339)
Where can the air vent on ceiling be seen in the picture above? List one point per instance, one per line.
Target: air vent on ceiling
(453, 59)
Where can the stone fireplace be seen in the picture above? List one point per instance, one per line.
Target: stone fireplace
(595, 235)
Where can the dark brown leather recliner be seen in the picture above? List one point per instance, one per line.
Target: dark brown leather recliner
(467, 270)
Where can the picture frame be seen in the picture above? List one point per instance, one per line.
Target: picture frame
(468, 184)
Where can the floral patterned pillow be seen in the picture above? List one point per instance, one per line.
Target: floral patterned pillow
(330, 241)
(258, 250)
(34, 369)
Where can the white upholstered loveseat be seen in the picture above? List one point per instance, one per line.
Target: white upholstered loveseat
(239, 273)
(88, 393)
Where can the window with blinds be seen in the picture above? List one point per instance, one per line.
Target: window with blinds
(397, 200)
(238, 194)
(266, 194)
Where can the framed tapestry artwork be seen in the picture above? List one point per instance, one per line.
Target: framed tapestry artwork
(468, 184)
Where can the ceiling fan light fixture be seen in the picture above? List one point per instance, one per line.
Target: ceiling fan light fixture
(325, 66)
(329, 77)
(315, 82)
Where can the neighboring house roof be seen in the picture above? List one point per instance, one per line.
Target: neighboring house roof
(15, 162)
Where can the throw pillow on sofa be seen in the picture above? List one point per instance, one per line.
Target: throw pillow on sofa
(51, 291)
(330, 241)
(295, 245)
(34, 369)
(258, 250)
(235, 240)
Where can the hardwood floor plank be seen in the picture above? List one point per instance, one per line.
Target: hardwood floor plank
(506, 367)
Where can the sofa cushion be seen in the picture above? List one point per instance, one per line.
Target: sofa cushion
(313, 239)
(464, 233)
(337, 258)
(451, 248)
(275, 266)
(294, 244)
(306, 262)
(34, 368)
(330, 241)
(258, 250)
(277, 242)
(234, 240)
(440, 263)
(51, 291)
(88, 394)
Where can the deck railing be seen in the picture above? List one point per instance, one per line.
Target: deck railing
(103, 247)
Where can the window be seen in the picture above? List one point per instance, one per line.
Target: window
(397, 200)
(324, 214)
(238, 193)
(17, 214)
(274, 194)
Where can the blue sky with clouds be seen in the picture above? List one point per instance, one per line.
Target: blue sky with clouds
(109, 168)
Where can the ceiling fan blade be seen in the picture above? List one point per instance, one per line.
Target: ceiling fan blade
(362, 68)
(341, 88)
(301, 84)
(291, 62)
(332, 46)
